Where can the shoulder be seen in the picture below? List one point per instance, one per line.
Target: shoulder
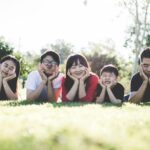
(119, 86)
(93, 76)
(136, 76)
(34, 73)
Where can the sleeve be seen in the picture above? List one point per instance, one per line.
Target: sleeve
(58, 81)
(119, 92)
(91, 89)
(31, 81)
(135, 83)
(64, 91)
(98, 90)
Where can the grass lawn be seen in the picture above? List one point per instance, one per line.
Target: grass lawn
(74, 126)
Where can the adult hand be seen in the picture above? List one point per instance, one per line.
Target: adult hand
(142, 74)
(42, 74)
(9, 77)
(54, 74)
(87, 74)
(72, 77)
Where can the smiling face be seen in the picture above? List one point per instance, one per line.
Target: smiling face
(7, 68)
(146, 66)
(108, 78)
(77, 70)
(48, 65)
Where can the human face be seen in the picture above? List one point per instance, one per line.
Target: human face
(77, 70)
(7, 68)
(108, 78)
(146, 66)
(48, 65)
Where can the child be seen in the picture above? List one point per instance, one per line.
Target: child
(108, 89)
(80, 84)
(9, 72)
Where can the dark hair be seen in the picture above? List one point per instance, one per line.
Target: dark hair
(145, 54)
(109, 68)
(74, 58)
(12, 83)
(53, 54)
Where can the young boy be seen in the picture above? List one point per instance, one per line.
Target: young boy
(108, 89)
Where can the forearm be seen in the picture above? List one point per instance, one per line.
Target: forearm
(71, 94)
(82, 92)
(101, 98)
(51, 94)
(139, 94)
(112, 98)
(1, 81)
(9, 93)
(32, 95)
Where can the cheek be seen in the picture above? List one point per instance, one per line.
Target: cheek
(11, 72)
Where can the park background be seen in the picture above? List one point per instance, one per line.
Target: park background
(110, 31)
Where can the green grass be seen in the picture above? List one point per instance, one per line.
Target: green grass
(26, 125)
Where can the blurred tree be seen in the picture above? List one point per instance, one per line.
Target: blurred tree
(139, 29)
(5, 48)
(25, 66)
(62, 48)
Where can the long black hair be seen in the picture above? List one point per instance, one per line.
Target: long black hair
(12, 83)
(74, 58)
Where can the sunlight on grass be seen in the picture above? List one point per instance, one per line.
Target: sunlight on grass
(73, 126)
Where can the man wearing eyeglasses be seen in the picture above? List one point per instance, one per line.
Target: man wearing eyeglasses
(44, 84)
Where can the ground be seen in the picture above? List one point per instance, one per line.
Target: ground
(26, 125)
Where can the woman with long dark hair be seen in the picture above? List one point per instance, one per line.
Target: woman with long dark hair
(80, 83)
(9, 72)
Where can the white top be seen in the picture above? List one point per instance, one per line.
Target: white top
(34, 79)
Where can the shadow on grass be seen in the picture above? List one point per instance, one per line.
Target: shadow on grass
(145, 104)
(54, 104)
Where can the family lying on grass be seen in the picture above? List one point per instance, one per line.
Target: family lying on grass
(78, 84)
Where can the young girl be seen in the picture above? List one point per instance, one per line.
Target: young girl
(9, 72)
(79, 84)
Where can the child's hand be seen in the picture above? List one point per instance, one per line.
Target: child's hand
(101, 84)
(112, 83)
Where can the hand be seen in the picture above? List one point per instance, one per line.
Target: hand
(42, 74)
(111, 84)
(101, 84)
(72, 77)
(54, 74)
(142, 74)
(87, 74)
(9, 77)
(0, 73)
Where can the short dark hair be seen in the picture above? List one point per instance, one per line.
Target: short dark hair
(145, 54)
(54, 55)
(109, 68)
